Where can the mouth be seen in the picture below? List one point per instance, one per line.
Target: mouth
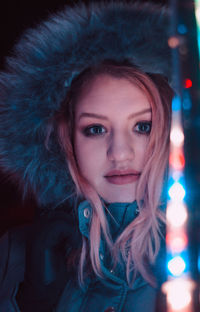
(122, 177)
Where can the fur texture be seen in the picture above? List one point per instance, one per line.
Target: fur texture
(38, 76)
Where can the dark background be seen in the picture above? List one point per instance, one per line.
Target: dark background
(17, 15)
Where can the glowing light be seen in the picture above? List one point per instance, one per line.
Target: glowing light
(178, 293)
(199, 263)
(176, 266)
(176, 242)
(187, 103)
(176, 103)
(176, 214)
(177, 136)
(182, 29)
(177, 160)
(176, 192)
(176, 175)
(188, 83)
(173, 42)
(197, 12)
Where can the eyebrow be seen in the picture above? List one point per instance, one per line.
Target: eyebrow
(93, 115)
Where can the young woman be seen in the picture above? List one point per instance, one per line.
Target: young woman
(86, 110)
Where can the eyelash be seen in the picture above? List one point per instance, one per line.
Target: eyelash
(87, 131)
(144, 123)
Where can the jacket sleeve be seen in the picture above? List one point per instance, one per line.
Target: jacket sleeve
(12, 264)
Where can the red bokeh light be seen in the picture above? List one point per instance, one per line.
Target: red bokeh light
(176, 242)
(188, 83)
(177, 160)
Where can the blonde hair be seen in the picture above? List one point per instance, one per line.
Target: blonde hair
(139, 243)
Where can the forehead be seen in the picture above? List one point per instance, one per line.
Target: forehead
(106, 95)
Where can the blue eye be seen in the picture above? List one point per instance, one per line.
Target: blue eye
(94, 130)
(143, 127)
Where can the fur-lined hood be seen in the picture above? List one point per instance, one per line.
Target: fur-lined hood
(38, 77)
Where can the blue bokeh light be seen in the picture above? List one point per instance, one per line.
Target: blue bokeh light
(176, 266)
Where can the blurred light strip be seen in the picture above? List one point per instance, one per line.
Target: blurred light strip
(179, 287)
(197, 14)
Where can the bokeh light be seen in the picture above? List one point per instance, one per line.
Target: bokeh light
(176, 192)
(177, 160)
(176, 214)
(177, 136)
(178, 293)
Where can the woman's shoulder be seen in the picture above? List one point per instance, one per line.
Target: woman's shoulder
(12, 265)
(12, 256)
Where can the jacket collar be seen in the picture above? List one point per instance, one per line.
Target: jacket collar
(119, 215)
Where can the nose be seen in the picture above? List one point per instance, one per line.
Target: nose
(120, 148)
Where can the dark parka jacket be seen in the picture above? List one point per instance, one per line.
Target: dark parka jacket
(111, 293)
(33, 88)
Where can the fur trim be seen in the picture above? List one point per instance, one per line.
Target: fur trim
(38, 77)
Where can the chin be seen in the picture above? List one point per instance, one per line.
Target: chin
(116, 193)
(120, 200)
(120, 197)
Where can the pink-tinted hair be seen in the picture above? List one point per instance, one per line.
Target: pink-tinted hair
(142, 236)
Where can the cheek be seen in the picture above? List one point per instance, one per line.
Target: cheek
(140, 149)
(89, 155)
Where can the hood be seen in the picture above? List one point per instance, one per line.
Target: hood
(39, 74)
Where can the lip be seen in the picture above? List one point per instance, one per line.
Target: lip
(121, 177)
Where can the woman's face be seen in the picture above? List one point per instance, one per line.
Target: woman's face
(112, 127)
